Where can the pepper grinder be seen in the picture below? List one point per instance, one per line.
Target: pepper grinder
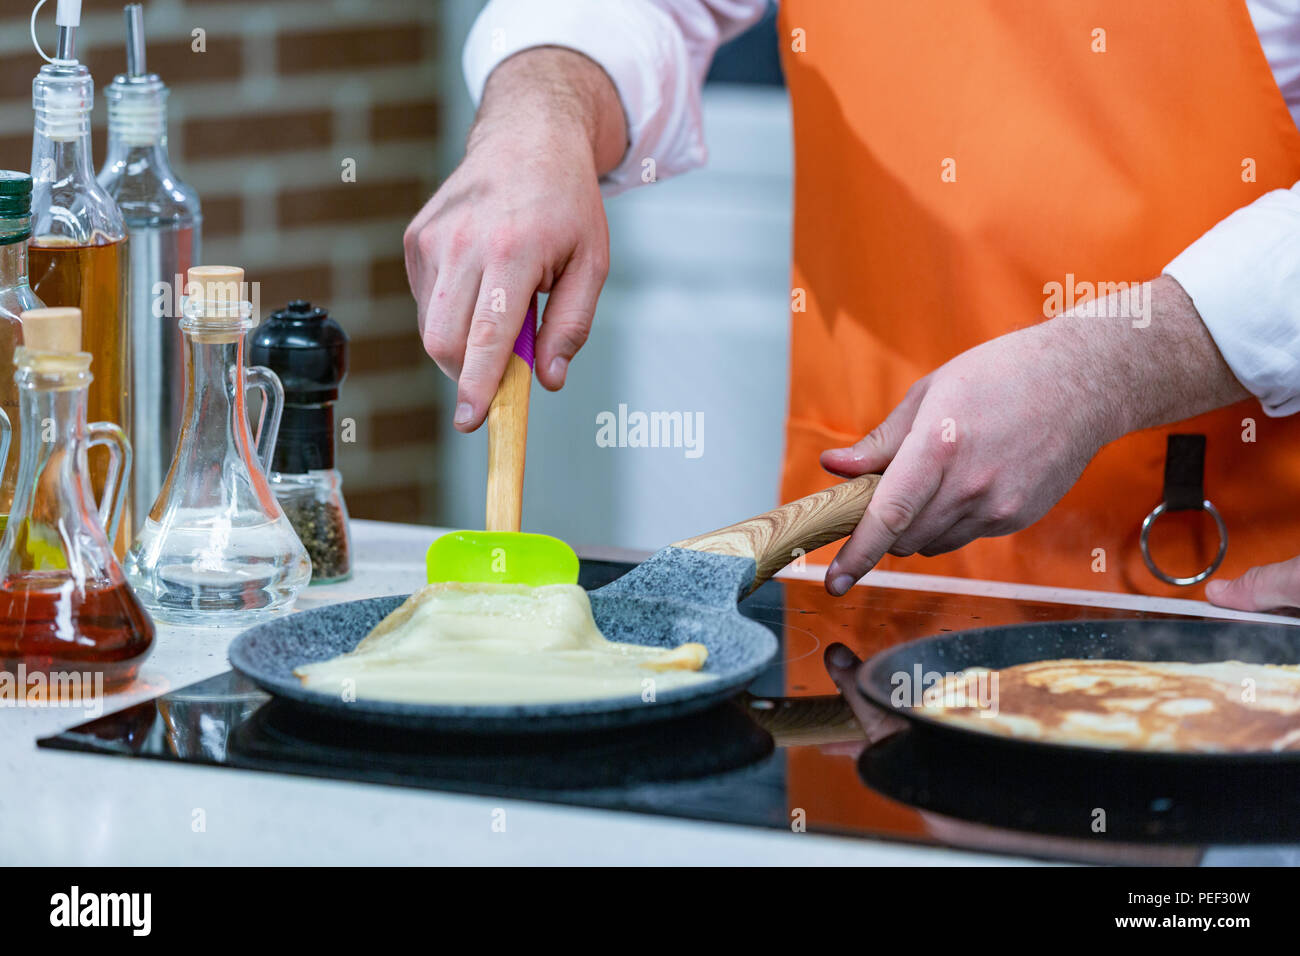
(309, 351)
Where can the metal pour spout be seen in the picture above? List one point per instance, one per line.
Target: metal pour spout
(135, 63)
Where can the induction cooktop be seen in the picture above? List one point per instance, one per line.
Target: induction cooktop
(788, 754)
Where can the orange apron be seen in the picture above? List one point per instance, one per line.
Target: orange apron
(1076, 153)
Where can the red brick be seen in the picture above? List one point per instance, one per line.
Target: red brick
(222, 215)
(405, 426)
(16, 152)
(347, 46)
(384, 504)
(98, 144)
(280, 286)
(381, 353)
(390, 122)
(173, 60)
(16, 72)
(388, 277)
(257, 134)
(342, 202)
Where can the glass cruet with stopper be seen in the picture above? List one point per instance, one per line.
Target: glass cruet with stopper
(65, 606)
(216, 548)
(16, 297)
(309, 352)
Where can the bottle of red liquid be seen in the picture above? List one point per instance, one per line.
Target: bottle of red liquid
(66, 610)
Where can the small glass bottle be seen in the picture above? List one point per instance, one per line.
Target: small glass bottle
(216, 547)
(78, 249)
(163, 223)
(65, 606)
(16, 297)
(309, 352)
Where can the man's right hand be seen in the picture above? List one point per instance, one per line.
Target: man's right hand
(522, 213)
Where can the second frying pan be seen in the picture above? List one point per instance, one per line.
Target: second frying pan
(1144, 639)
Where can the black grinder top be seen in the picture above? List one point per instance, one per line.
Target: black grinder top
(309, 352)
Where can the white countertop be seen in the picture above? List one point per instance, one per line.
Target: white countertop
(59, 807)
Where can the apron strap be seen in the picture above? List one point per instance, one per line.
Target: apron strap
(1185, 473)
(1184, 491)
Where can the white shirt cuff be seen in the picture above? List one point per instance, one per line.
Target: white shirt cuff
(1243, 276)
(637, 44)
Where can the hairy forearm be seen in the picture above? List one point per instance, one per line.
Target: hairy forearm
(1140, 370)
(569, 92)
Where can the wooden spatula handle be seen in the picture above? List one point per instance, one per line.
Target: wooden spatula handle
(779, 537)
(507, 443)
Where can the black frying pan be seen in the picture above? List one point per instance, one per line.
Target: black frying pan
(1142, 639)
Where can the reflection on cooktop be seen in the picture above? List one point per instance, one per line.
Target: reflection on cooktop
(1096, 797)
(788, 755)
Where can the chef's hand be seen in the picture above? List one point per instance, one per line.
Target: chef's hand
(522, 212)
(1268, 587)
(983, 445)
(989, 442)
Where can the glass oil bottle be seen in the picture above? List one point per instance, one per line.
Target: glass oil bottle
(16, 297)
(65, 606)
(78, 250)
(216, 548)
(163, 223)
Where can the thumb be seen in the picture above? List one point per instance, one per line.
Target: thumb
(1262, 588)
(879, 446)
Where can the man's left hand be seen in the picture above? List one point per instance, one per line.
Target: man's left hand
(987, 443)
(983, 445)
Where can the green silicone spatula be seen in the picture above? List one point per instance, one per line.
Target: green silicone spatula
(503, 554)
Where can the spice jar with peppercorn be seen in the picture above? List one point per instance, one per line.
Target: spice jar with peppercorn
(309, 351)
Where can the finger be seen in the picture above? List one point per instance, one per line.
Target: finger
(1262, 588)
(941, 519)
(421, 270)
(908, 485)
(503, 299)
(447, 317)
(878, 447)
(962, 533)
(570, 310)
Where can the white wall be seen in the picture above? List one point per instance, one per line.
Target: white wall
(694, 318)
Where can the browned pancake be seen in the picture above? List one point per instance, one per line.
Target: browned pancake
(1222, 707)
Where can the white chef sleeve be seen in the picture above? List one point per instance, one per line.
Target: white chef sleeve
(1243, 276)
(657, 52)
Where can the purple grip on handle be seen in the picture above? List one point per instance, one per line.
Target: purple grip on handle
(527, 335)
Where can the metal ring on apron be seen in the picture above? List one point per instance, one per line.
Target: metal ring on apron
(1213, 566)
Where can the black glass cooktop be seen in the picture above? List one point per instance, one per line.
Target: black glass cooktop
(788, 753)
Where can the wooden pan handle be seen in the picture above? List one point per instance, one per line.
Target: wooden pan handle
(777, 538)
(507, 443)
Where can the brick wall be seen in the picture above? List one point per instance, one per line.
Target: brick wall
(261, 123)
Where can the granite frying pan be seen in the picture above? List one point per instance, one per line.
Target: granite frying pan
(687, 592)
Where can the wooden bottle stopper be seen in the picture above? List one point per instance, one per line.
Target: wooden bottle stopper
(52, 330)
(219, 294)
(219, 288)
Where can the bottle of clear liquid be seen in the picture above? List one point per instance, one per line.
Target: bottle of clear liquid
(16, 297)
(216, 548)
(163, 222)
(65, 606)
(78, 250)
